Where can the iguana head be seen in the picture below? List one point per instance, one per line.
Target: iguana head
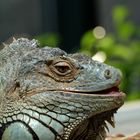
(46, 93)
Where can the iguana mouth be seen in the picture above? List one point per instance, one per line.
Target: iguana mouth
(111, 91)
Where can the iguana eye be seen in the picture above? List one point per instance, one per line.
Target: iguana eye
(62, 68)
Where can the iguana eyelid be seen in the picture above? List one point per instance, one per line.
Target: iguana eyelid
(62, 68)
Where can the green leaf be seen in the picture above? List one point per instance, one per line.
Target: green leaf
(48, 39)
(87, 42)
(120, 13)
(106, 44)
(126, 31)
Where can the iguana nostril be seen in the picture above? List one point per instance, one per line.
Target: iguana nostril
(107, 74)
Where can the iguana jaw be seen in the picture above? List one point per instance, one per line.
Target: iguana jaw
(114, 91)
(96, 126)
(97, 121)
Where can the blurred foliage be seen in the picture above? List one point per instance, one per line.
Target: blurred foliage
(122, 48)
(48, 39)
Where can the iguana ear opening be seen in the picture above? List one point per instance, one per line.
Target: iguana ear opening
(13, 91)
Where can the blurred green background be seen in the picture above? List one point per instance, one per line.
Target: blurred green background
(120, 48)
(105, 30)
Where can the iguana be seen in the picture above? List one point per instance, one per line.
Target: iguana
(47, 94)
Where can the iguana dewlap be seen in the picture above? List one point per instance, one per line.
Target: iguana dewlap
(47, 94)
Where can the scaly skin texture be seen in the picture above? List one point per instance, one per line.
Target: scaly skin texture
(47, 94)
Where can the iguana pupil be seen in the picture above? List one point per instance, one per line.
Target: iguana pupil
(63, 68)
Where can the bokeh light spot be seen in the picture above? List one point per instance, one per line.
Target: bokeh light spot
(99, 32)
(100, 56)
